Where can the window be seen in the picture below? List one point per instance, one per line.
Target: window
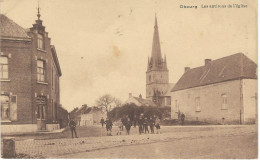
(150, 78)
(40, 41)
(4, 67)
(197, 103)
(40, 71)
(168, 101)
(5, 107)
(224, 101)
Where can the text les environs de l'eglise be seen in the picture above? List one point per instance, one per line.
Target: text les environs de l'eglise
(214, 6)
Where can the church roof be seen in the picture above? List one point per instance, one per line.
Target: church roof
(232, 67)
(10, 29)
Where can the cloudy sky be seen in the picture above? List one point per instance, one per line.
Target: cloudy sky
(103, 45)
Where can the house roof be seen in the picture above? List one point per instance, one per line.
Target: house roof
(10, 29)
(145, 102)
(232, 67)
(92, 109)
(55, 58)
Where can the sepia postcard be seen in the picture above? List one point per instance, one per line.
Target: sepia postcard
(129, 79)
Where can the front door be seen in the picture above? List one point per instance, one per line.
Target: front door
(41, 117)
(41, 113)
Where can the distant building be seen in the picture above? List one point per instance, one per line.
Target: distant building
(140, 101)
(221, 91)
(92, 116)
(30, 73)
(77, 112)
(157, 74)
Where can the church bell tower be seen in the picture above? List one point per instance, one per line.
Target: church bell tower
(157, 74)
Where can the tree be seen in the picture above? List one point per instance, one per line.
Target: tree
(108, 102)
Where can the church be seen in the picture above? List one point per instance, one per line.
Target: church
(157, 78)
(157, 74)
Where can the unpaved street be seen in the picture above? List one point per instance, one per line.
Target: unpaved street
(230, 144)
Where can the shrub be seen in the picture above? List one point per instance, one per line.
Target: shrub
(131, 110)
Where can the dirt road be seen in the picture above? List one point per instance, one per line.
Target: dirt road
(242, 146)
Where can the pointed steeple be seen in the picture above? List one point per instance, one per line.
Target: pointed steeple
(155, 24)
(156, 48)
(156, 61)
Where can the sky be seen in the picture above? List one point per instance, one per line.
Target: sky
(103, 45)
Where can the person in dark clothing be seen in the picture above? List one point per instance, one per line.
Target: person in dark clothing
(72, 125)
(140, 124)
(152, 123)
(128, 125)
(146, 125)
(102, 121)
(109, 125)
(182, 118)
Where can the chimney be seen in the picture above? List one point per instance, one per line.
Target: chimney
(130, 95)
(186, 69)
(207, 61)
(140, 96)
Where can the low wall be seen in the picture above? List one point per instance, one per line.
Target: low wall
(52, 127)
(19, 128)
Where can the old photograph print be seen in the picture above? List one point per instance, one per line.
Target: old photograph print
(123, 79)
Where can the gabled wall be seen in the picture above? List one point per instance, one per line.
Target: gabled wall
(210, 103)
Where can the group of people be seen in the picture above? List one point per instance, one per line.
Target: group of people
(143, 122)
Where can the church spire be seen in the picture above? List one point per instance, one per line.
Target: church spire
(156, 60)
(156, 50)
(155, 25)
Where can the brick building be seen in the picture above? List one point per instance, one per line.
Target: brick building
(221, 91)
(30, 72)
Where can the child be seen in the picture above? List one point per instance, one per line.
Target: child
(157, 125)
(119, 125)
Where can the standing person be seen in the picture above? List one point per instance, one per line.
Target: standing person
(72, 125)
(146, 125)
(182, 118)
(119, 126)
(109, 125)
(157, 125)
(128, 125)
(102, 121)
(152, 123)
(140, 124)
